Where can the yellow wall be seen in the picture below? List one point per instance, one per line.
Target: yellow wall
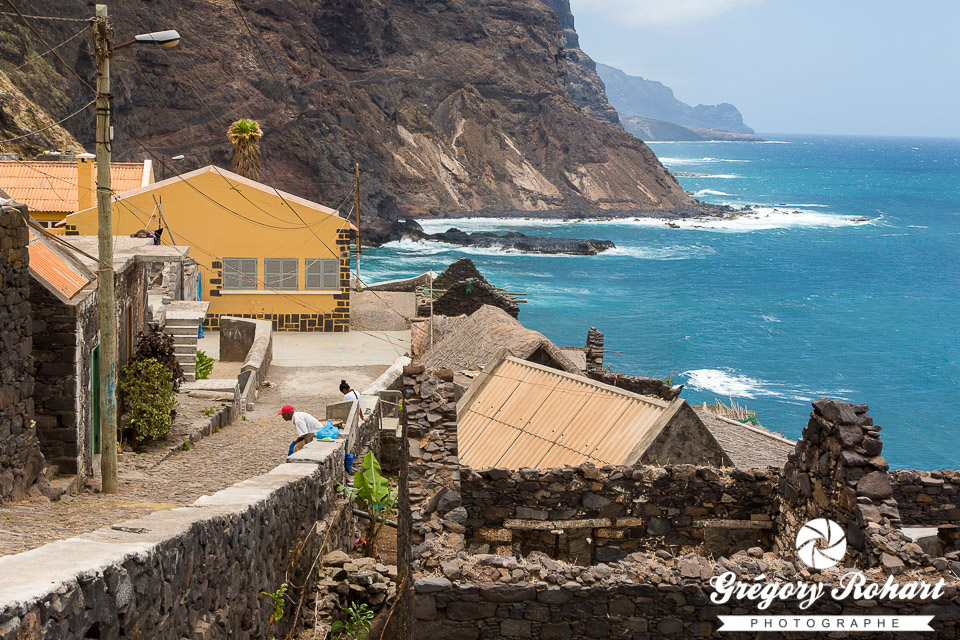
(257, 225)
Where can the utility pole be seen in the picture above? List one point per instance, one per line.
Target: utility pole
(103, 40)
(357, 196)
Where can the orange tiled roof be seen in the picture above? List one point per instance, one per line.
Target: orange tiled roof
(52, 186)
(54, 269)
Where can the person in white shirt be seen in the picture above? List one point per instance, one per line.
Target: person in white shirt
(303, 422)
(348, 393)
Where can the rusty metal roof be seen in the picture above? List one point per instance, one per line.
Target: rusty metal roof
(55, 268)
(53, 186)
(519, 414)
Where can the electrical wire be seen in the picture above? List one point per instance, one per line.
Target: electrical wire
(256, 44)
(6, 13)
(173, 65)
(50, 126)
(40, 55)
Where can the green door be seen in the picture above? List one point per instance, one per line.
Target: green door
(95, 401)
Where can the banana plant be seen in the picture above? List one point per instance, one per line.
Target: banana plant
(376, 495)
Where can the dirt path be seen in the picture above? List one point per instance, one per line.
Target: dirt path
(241, 450)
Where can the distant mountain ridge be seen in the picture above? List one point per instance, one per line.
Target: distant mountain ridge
(643, 102)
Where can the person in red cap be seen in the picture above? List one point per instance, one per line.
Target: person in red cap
(304, 423)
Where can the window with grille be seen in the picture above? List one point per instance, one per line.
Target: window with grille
(239, 273)
(322, 274)
(280, 273)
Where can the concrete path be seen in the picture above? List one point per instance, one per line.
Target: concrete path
(352, 349)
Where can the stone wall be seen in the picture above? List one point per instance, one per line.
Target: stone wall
(594, 350)
(56, 373)
(585, 514)
(66, 334)
(194, 571)
(634, 384)
(927, 497)
(492, 597)
(837, 472)
(20, 459)
(467, 296)
(448, 593)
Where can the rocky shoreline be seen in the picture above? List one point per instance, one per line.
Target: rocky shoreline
(546, 245)
(518, 242)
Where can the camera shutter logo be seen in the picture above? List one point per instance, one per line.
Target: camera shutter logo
(821, 543)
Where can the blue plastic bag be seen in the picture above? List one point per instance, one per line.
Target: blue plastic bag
(327, 431)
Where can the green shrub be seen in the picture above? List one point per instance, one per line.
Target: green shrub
(148, 398)
(357, 623)
(204, 365)
(160, 347)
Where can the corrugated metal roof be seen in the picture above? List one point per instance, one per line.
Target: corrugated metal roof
(53, 186)
(520, 414)
(55, 269)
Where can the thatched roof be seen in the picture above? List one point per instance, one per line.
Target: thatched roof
(480, 338)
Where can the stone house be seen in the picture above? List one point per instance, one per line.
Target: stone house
(20, 459)
(518, 414)
(64, 301)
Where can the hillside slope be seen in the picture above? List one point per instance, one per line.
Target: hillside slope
(636, 96)
(450, 107)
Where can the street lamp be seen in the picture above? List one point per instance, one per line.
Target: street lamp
(169, 39)
(105, 284)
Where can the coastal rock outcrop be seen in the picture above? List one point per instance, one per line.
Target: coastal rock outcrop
(517, 241)
(451, 106)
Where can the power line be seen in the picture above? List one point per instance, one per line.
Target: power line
(256, 43)
(49, 48)
(6, 13)
(173, 65)
(150, 152)
(50, 126)
(40, 55)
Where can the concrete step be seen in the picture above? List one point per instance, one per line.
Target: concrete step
(182, 331)
(177, 322)
(185, 349)
(186, 363)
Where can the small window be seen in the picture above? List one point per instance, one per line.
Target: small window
(239, 273)
(322, 274)
(280, 273)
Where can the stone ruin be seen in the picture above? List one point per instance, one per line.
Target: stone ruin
(629, 552)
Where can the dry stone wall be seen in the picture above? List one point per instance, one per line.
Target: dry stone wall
(837, 472)
(605, 513)
(467, 296)
(647, 596)
(927, 498)
(449, 593)
(193, 572)
(634, 384)
(20, 459)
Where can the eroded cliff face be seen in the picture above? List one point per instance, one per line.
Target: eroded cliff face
(449, 106)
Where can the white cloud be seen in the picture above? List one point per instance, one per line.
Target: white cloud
(659, 13)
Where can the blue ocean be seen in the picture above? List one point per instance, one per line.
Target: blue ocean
(844, 282)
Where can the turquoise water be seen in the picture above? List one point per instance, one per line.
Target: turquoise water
(848, 289)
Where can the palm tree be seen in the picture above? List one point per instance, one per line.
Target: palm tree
(245, 136)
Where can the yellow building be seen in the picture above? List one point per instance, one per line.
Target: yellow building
(52, 189)
(261, 253)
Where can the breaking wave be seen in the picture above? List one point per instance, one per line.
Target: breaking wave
(728, 383)
(674, 252)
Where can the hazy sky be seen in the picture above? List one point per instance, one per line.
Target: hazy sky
(883, 67)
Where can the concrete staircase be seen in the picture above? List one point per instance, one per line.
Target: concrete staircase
(182, 321)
